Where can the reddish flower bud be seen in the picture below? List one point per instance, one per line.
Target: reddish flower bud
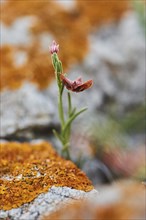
(76, 85)
(54, 48)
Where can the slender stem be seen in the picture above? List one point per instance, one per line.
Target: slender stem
(67, 134)
(60, 108)
(65, 151)
(69, 104)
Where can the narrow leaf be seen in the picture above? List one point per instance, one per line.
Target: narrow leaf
(71, 119)
(69, 104)
(57, 135)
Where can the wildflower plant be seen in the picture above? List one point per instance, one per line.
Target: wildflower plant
(74, 86)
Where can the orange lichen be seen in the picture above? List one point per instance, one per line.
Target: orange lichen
(69, 28)
(26, 170)
(38, 68)
(99, 12)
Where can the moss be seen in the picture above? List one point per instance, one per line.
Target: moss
(26, 170)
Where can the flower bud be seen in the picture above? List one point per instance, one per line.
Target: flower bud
(54, 48)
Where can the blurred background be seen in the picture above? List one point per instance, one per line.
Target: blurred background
(99, 40)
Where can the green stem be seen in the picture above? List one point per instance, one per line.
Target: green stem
(65, 150)
(69, 104)
(60, 108)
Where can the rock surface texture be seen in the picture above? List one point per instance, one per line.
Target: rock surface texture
(46, 203)
(35, 180)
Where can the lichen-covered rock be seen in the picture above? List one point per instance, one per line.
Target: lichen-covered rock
(115, 61)
(46, 203)
(35, 179)
(30, 169)
(26, 34)
(29, 29)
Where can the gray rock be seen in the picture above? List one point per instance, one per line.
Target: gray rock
(3, 214)
(18, 33)
(24, 108)
(14, 212)
(117, 61)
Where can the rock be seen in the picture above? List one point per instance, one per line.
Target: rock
(3, 214)
(47, 203)
(97, 171)
(19, 32)
(116, 61)
(28, 107)
(14, 212)
(31, 195)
